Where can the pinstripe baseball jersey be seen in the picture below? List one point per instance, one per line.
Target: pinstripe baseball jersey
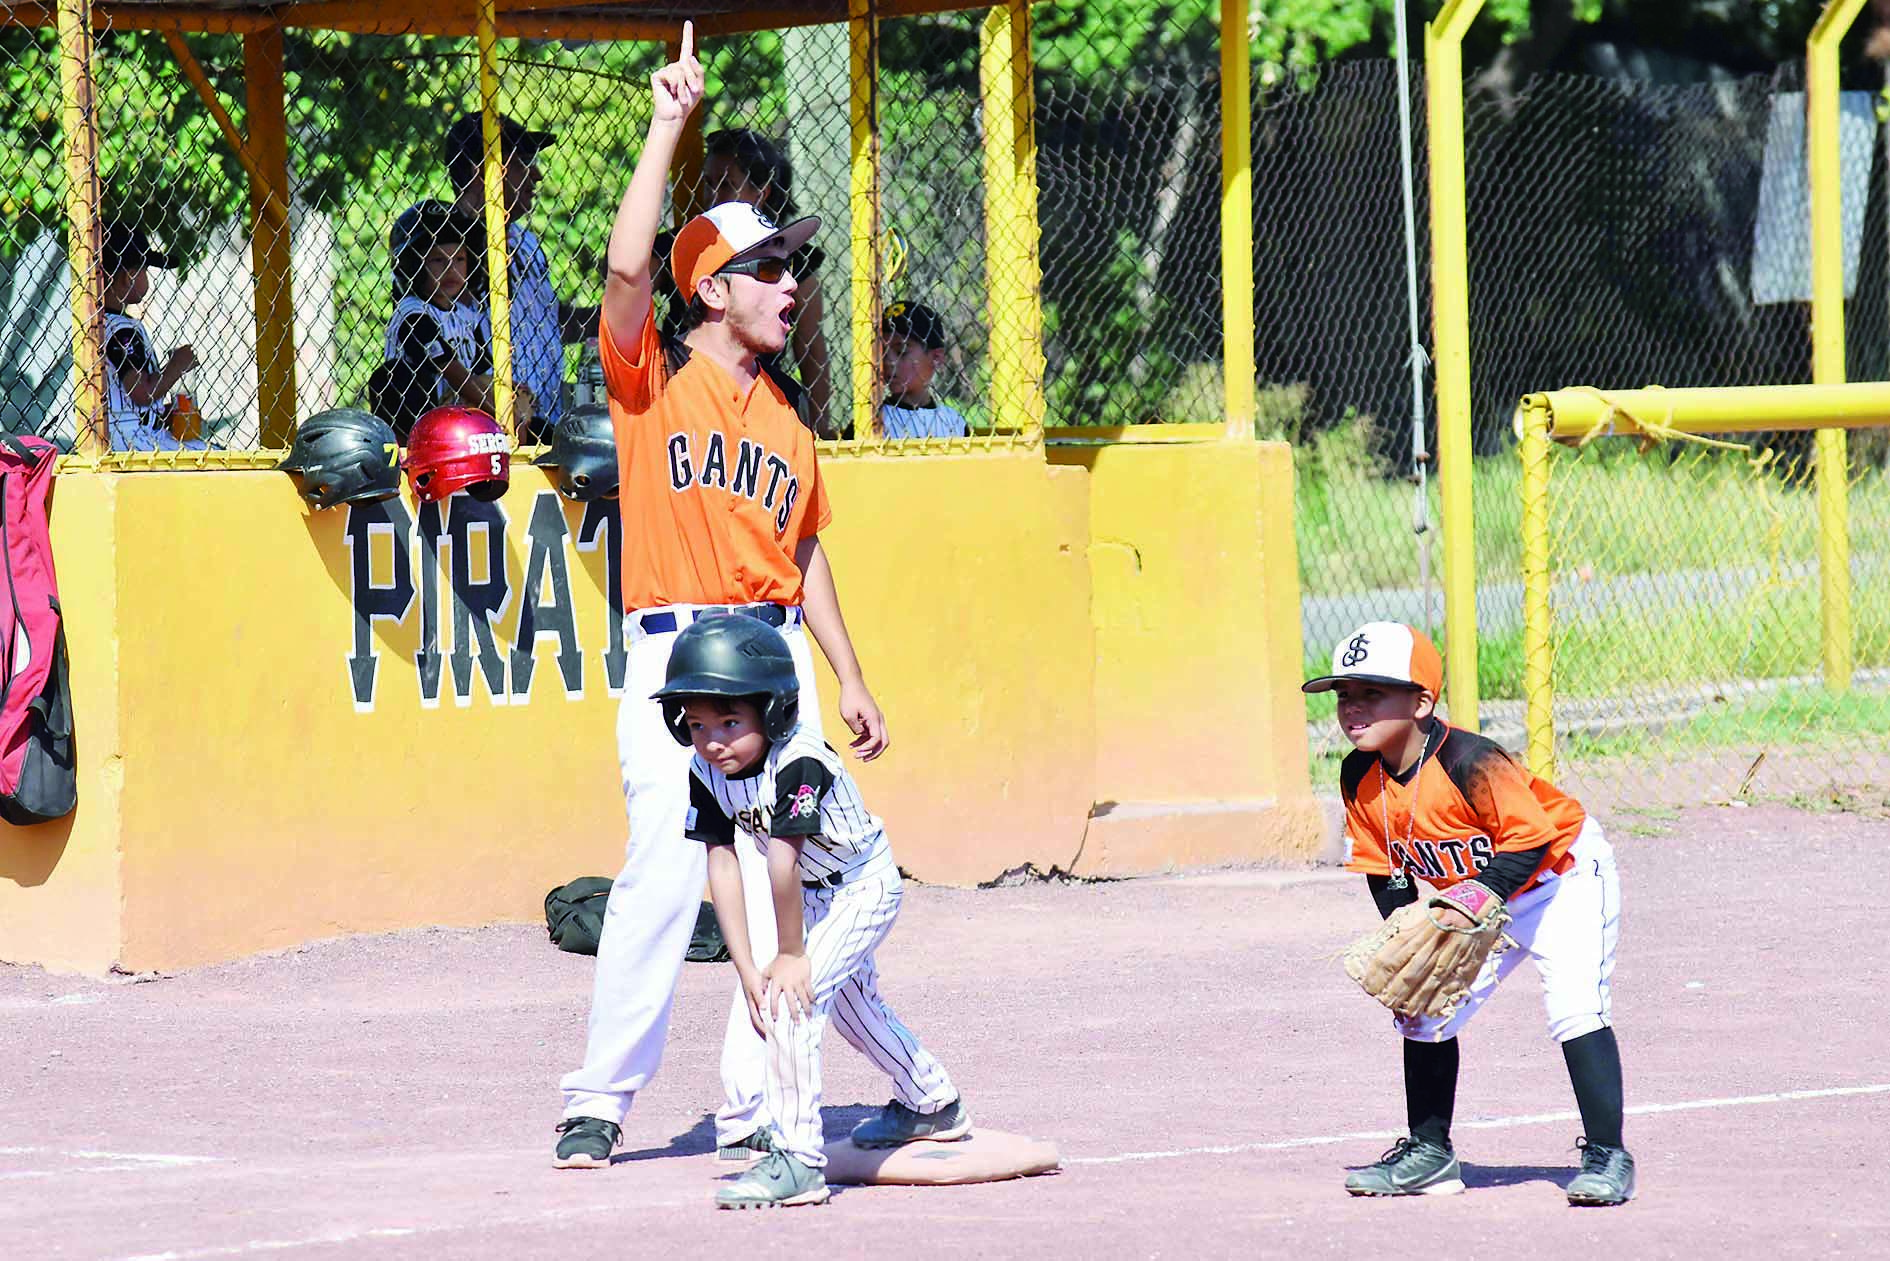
(801, 789)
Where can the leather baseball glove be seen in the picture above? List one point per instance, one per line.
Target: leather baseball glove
(1417, 966)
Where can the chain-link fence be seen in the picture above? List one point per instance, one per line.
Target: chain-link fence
(1688, 627)
(1625, 236)
(286, 300)
(35, 324)
(1620, 234)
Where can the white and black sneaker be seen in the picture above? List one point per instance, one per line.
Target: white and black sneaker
(585, 1143)
(1413, 1166)
(1607, 1176)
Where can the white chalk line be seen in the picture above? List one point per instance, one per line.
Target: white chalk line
(1486, 1123)
(133, 1158)
(333, 1238)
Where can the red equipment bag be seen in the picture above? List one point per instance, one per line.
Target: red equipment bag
(38, 772)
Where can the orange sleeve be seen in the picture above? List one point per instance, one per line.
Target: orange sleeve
(631, 383)
(819, 509)
(1364, 847)
(1498, 793)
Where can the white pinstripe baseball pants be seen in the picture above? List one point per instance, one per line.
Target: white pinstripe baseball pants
(653, 902)
(844, 927)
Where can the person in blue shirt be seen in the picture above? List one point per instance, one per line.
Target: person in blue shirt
(911, 351)
(542, 324)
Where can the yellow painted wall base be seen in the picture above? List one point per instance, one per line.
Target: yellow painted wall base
(294, 725)
(1136, 838)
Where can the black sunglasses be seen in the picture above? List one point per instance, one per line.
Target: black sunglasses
(767, 270)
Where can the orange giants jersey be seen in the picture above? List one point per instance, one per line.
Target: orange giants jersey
(718, 483)
(1465, 802)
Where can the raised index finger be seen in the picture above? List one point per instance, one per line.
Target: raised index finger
(688, 42)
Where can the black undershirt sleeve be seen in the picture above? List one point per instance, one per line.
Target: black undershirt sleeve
(1511, 870)
(125, 351)
(421, 341)
(1388, 898)
(706, 822)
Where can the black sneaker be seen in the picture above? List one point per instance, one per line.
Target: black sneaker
(1413, 1166)
(586, 1143)
(1607, 1176)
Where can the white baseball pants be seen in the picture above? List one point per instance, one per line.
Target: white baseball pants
(1569, 925)
(844, 927)
(653, 903)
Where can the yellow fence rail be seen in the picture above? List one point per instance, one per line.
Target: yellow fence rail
(1751, 544)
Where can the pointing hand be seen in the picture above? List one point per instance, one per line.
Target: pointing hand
(676, 89)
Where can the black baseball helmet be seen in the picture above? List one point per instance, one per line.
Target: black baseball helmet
(344, 456)
(584, 451)
(735, 656)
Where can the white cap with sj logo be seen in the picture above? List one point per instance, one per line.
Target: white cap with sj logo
(1384, 652)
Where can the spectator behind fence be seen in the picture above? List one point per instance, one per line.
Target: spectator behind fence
(439, 341)
(541, 324)
(742, 165)
(911, 351)
(137, 386)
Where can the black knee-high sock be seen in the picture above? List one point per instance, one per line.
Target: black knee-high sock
(1594, 1069)
(1430, 1088)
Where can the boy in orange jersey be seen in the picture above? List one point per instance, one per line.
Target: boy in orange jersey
(1427, 801)
(723, 505)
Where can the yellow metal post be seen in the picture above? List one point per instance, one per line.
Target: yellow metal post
(497, 252)
(1024, 120)
(1007, 221)
(1237, 221)
(79, 124)
(862, 77)
(269, 250)
(1538, 649)
(1827, 332)
(1450, 299)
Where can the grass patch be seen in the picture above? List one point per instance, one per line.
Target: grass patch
(1647, 820)
(1797, 719)
(1613, 511)
(1774, 632)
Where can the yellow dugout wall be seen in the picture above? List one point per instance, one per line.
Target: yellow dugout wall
(293, 725)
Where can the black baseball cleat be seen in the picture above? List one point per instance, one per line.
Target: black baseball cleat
(1413, 1166)
(585, 1143)
(1607, 1176)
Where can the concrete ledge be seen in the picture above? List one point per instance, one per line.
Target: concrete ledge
(1144, 838)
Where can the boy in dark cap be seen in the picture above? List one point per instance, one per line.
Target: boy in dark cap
(137, 384)
(541, 324)
(911, 351)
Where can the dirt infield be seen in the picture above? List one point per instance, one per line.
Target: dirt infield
(1189, 1042)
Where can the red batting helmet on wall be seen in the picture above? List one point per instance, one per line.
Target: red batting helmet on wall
(458, 448)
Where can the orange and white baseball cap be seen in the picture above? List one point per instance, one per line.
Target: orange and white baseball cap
(732, 232)
(1384, 652)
